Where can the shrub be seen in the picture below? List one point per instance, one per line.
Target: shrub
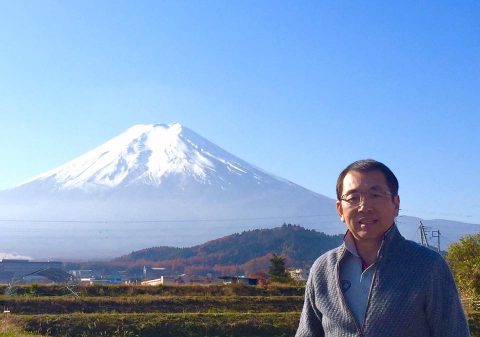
(463, 257)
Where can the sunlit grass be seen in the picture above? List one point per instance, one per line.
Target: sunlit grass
(8, 328)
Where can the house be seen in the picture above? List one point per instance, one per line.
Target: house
(16, 270)
(298, 275)
(239, 280)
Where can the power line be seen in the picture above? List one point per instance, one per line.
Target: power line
(166, 220)
(446, 238)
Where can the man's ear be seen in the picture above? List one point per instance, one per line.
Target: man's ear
(396, 201)
(340, 210)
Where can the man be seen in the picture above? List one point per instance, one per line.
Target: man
(377, 284)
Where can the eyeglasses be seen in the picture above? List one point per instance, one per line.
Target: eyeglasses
(356, 198)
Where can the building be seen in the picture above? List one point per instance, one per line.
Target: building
(163, 280)
(298, 275)
(183, 279)
(239, 280)
(14, 270)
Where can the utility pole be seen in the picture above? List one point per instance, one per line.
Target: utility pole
(433, 234)
(423, 235)
(437, 232)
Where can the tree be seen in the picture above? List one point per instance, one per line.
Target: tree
(463, 257)
(277, 271)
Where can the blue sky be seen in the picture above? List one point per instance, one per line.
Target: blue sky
(298, 88)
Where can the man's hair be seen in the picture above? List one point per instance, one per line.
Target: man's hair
(368, 165)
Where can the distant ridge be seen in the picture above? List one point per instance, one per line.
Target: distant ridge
(247, 252)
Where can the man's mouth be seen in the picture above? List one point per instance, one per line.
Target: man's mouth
(367, 221)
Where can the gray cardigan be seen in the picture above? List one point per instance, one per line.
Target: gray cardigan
(413, 294)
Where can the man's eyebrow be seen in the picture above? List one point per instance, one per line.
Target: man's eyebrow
(372, 188)
(377, 188)
(350, 191)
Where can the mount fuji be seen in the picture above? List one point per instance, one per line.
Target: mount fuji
(156, 185)
(151, 185)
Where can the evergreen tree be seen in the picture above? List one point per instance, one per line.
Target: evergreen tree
(277, 270)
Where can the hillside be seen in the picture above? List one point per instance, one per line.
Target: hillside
(247, 252)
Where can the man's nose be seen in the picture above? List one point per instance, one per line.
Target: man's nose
(365, 203)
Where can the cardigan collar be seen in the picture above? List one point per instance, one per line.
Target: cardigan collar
(390, 235)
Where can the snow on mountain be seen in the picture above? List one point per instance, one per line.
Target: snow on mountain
(147, 154)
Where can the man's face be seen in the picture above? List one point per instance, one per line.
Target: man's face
(373, 216)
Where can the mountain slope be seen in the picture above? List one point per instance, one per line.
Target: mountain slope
(149, 155)
(151, 185)
(248, 251)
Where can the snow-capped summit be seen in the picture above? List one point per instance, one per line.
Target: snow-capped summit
(148, 154)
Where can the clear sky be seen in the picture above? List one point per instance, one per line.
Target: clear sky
(298, 88)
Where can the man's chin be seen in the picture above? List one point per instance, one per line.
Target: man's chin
(368, 235)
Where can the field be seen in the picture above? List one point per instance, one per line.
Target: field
(157, 311)
(176, 311)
